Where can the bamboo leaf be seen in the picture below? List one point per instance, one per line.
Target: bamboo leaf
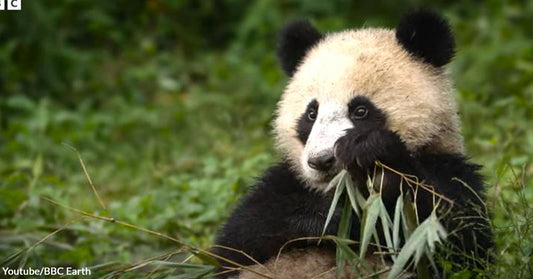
(396, 224)
(413, 245)
(368, 226)
(355, 261)
(361, 200)
(436, 234)
(346, 249)
(409, 215)
(386, 224)
(335, 182)
(421, 242)
(345, 223)
(344, 232)
(350, 187)
(339, 188)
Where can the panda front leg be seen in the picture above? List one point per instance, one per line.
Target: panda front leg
(275, 211)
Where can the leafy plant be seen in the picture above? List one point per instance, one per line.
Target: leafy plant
(420, 238)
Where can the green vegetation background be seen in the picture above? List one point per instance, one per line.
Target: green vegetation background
(170, 105)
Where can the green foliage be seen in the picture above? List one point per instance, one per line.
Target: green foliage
(169, 104)
(420, 238)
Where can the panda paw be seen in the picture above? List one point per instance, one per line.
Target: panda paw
(360, 151)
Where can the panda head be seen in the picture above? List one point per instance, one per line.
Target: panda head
(365, 79)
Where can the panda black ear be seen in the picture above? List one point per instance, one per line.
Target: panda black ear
(426, 34)
(296, 38)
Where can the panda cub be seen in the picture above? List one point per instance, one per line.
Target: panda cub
(356, 97)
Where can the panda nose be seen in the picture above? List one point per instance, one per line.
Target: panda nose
(322, 162)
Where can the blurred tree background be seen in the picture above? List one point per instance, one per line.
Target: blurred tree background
(170, 102)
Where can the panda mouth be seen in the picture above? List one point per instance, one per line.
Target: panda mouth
(326, 177)
(329, 176)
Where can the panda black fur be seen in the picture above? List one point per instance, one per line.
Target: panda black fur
(355, 97)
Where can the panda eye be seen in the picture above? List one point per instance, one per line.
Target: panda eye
(360, 112)
(311, 114)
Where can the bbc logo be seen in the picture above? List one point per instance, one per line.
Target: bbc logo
(11, 5)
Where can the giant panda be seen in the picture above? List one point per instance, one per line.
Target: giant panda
(354, 98)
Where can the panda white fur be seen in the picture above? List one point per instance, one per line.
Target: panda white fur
(355, 97)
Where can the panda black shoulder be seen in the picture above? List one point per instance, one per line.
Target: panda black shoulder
(278, 179)
(447, 168)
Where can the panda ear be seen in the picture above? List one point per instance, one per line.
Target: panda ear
(426, 34)
(296, 38)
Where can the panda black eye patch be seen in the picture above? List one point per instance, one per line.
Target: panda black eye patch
(306, 121)
(362, 109)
